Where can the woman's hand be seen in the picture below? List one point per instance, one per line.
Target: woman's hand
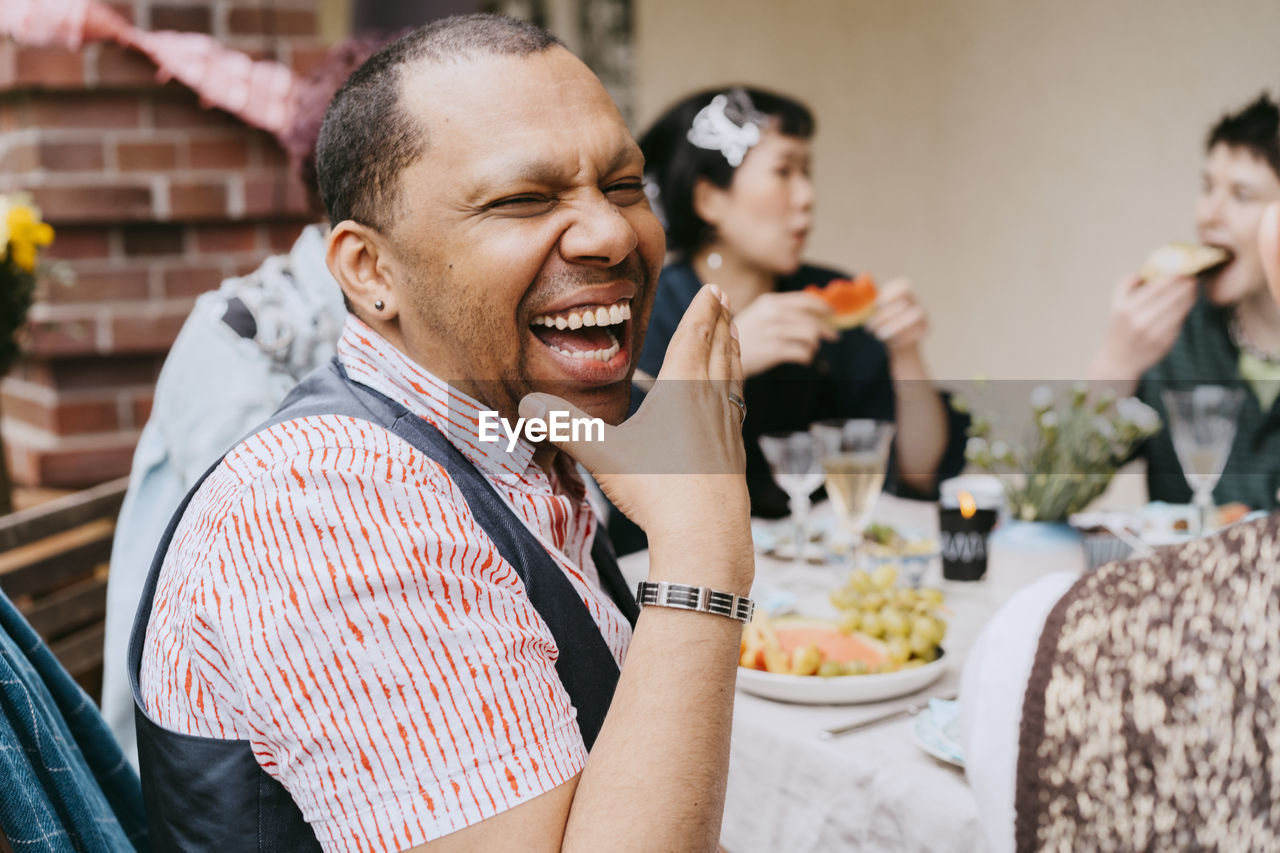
(677, 466)
(782, 328)
(899, 321)
(1146, 317)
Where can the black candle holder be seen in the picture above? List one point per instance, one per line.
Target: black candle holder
(963, 542)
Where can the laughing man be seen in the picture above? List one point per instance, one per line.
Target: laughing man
(368, 630)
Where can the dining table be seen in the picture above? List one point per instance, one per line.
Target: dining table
(790, 789)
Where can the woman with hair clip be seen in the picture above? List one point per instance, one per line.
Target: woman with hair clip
(729, 172)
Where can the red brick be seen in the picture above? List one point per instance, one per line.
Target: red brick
(8, 64)
(81, 416)
(270, 153)
(71, 156)
(247, 20)
(63, 416)
(188, 282)
(226, 153)
(33, 371)
(96, 110)
(49, 67)
(24, 468)
(93, 203)
(71, 242)
(275, 196)
(282, 235)
(95, 372)
(186, 19)
(198, 200)
(153, 240)
(146, 331)
(141, 409)
(19, 158)
(48, 338)
(119, 66)
(22, 408)
(149, 156)
(185, 112)
(238, 237)
(11, 116)
(74, 466)
(101, 286)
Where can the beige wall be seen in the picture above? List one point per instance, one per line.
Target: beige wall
(1013, 156)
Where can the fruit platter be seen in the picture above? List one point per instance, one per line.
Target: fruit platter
(885, 641)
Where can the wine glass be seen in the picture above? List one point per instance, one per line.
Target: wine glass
(855, 457)
(797, 469)
(1202, 424)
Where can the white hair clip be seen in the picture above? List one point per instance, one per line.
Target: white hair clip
(729, 124)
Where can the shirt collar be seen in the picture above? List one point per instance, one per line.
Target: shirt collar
(372, 360)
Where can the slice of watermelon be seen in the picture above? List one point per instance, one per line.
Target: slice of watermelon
(853, 301)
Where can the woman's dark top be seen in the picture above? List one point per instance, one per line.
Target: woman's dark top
(849, 378)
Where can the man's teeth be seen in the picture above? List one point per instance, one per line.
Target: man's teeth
(610, 315)
(598, 354)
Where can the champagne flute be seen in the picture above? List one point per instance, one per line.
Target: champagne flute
(855, 457)
(797, 469)
(1202, 425)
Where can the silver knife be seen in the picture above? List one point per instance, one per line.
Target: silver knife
(908, 710)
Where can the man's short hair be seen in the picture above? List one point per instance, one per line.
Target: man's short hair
(1256, 128)
(368, 138)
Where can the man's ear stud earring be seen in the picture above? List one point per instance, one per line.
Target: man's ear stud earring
(378, 305)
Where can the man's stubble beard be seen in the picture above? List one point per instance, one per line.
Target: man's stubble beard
(460, 327)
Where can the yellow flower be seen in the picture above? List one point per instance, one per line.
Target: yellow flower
(26, 234)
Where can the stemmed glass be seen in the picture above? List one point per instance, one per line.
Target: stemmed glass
(855, 456)
(797, 469)
(1202, 424)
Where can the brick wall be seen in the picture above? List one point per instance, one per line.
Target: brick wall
(154, 200)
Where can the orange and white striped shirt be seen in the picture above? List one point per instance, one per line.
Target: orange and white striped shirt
(329, 597)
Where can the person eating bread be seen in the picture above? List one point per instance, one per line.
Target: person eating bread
(1203, 314)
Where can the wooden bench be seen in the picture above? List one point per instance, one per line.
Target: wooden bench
(54, 560)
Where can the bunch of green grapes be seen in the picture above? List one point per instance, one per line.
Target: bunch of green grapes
(905, 619)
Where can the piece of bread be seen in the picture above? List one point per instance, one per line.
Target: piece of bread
(1182, 259)
(852, 301)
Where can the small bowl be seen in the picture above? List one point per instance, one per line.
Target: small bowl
(1100, 548)
(911, 564)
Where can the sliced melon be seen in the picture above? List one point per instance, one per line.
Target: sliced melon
(798, 633)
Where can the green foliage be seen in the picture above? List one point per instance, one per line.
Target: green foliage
(1070, 454)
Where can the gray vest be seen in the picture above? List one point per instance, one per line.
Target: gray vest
(208, 794)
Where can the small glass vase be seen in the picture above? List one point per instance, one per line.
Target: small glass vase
(1021, 552)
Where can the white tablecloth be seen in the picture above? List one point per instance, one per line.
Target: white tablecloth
(869, 790)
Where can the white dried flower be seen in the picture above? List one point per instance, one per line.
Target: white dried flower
(1138, 413)
(1049, 420)
(975, 446)
(1104, 428)
(1041, 398)
(1001, 452)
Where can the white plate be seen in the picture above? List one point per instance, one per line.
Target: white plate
(841, 690)
(937, 731)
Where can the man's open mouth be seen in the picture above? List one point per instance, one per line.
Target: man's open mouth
(588, 332)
